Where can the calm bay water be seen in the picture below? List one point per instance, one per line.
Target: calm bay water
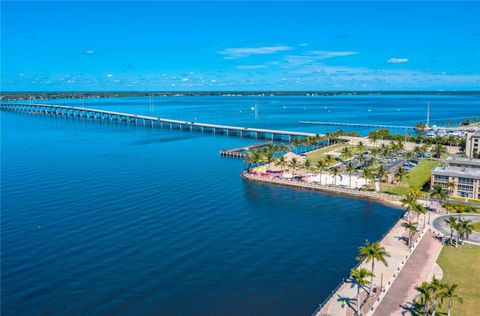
(105, 219)
(286, 112)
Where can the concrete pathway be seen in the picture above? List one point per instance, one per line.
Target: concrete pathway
(402, 293)
(395, 244)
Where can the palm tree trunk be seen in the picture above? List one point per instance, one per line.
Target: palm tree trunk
(456, 241)
(371, 280)
(358, 299)
(350, 184)
(449, 307)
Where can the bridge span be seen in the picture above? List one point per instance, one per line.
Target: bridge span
(99, 114)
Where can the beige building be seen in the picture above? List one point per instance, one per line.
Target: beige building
(472, 144)
(463, 172)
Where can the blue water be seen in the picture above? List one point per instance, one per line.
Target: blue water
(286, 112)
(106, 219)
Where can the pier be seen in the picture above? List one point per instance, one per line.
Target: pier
(104, 115)
(356, 125)
(242, 151)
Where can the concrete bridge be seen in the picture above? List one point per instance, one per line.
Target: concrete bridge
(99, 114)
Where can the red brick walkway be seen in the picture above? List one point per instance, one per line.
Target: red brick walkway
(402, 293)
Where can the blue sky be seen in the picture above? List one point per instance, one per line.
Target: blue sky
(240, 46)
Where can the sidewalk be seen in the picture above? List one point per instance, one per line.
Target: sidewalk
(395, 244)
(401, 295)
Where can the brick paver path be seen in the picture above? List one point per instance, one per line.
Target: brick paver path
(402, 293)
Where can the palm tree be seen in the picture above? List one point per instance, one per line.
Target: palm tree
(408, 201)
(362, 158)
(360, 146)
(450, 295)
(418, 209)
(252, 157)
(307, 165)
(451, 221)
(413, 191)
(359, 276)
(373, 137)
(381, 172)
(321, 166)
(400, 174)
(329, 159)
(411, 228)
(371, 252)
(465, 228)
(436, 288)
(335, 171)
(350, 168)
(439, 193)
(281, 162)
(425, 296)
(294, 165)
(438, 150)
(366, 173)
(451, 187)
(345, 153)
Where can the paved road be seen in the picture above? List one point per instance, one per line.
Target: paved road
(399, 298)
(440, 225)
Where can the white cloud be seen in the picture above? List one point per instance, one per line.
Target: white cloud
(394, 60)
(242, 52)
(89, 52)
(109, 76)
(323, 54)
(312, 57)
(303, 44)
(250, 66)
(184, 79)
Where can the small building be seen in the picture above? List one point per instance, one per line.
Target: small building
(464, 173)
(472, 144)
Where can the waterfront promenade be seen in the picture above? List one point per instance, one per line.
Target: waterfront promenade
(407, 266)
(395, 244)
(371, 195)
(401, 296)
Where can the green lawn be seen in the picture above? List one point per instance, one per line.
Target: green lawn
(421, 173)
(394, 188)
(461, 208)
(460, 266)
(417, 177)
(476, 227)
(456, 198)
(319, 154)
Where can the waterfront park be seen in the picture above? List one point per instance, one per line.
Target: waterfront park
(413, 268)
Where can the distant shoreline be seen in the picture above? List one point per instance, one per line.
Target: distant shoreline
(43, 95)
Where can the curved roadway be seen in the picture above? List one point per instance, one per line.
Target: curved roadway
(440, 225)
